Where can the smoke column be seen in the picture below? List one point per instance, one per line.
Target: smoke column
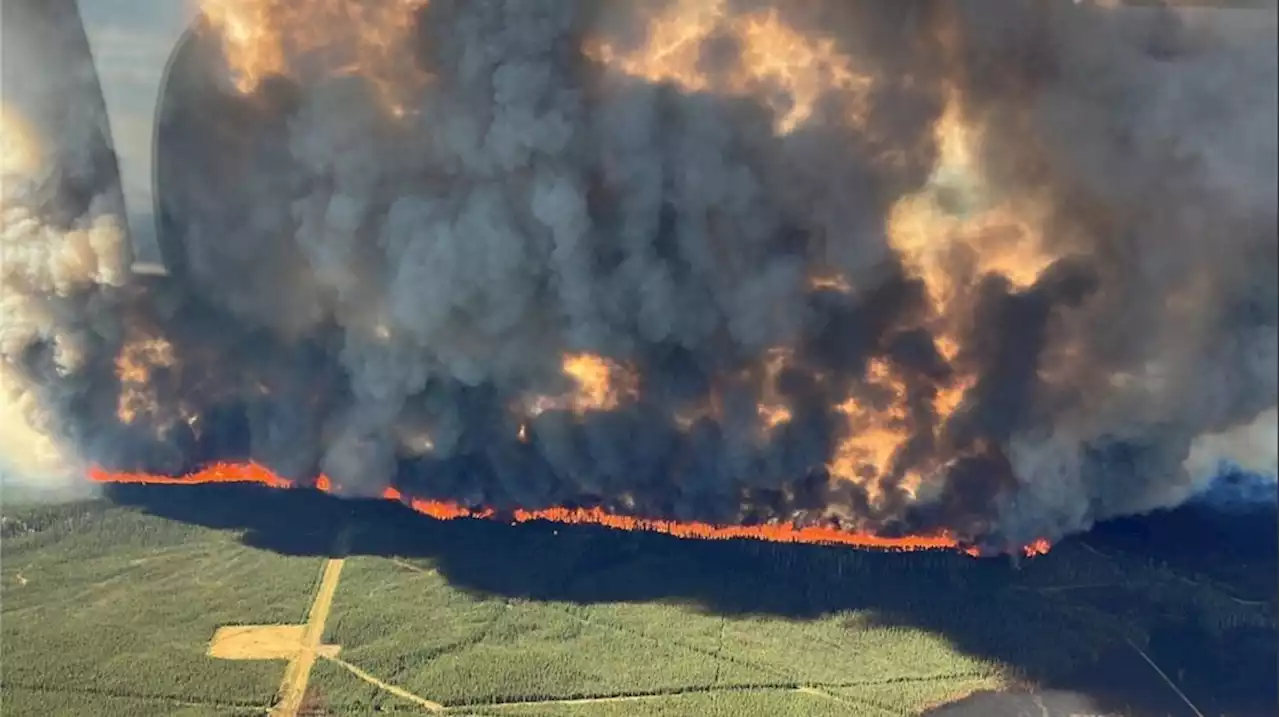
(983, 269)
(64, 250)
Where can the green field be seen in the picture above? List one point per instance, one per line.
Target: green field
(108, 609)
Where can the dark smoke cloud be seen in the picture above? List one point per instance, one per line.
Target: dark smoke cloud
(380, 295)
(64, 250)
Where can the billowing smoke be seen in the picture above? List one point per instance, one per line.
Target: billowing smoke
(64, 249)
(990, 267)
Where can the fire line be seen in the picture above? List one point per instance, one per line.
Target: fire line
(254, 473)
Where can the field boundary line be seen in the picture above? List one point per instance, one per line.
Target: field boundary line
(763, 667)
(705, 652)
(1165, 677)
(167, 699)
(430, 705)
(849, 700)
(632, 697)
(468, 641)
(813, 688)
(1211, 584)
(410, 566)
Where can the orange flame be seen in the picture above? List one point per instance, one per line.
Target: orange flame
(134, 366)
(443, 510)
(599, 385)
(789, 70)
(1039, 546)
(369, 39)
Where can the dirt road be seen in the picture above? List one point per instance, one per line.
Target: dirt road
(294, 686)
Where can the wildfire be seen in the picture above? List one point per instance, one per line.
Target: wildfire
(696, 46)
(254, 473)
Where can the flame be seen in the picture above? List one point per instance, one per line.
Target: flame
(957, 207)
(601, 385)
(1039, 546)
(789, 70)
(949, 396)
(772, 409)
(254, 473)
(874, 434)
(367, 38)
(134, 366)
(310, 40)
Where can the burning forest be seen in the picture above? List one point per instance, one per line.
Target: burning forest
(889, 274)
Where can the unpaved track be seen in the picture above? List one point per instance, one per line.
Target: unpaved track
(294, 686)
(397, 691)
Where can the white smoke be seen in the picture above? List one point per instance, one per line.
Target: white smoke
(1250, 447)
(63, 243)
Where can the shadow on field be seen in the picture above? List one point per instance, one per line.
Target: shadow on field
(1071, 640)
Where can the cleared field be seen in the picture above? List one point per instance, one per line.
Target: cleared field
(256, 642)
(111, 609)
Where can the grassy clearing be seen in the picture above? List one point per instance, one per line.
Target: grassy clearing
(105, 608)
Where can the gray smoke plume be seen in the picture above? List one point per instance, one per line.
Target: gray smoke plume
(64, 249)
(743, 216)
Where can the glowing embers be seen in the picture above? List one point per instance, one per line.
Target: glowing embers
(312, 39)
(763, 57)
(443, 510)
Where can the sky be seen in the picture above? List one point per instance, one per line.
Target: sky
(131, 42)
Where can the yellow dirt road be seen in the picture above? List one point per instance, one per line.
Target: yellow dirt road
(294, 686)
